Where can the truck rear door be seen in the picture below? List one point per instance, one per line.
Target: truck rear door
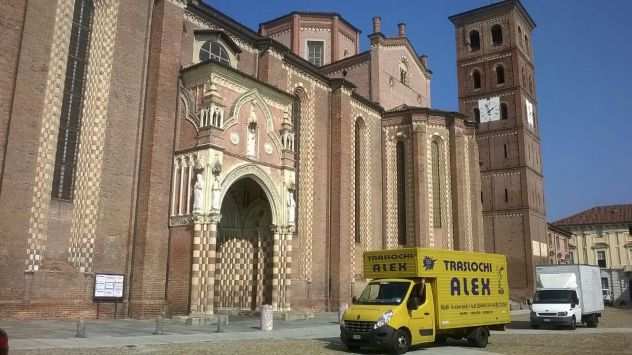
(422, 317)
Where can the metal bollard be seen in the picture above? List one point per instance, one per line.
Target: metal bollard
(267, 318)
(158, 328)
(341, 311)
(81, 329)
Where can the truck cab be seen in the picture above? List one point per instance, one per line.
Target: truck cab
(555, 307)
(392, 314)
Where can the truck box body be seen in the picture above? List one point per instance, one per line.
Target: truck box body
(584, 279)
(470, 289)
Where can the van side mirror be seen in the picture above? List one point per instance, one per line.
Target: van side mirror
(354, 300)
(573, 304)
(413, 303)
(529, 301)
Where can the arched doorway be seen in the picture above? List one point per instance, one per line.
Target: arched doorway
(243, 273)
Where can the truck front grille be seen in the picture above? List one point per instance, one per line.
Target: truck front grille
(547, 314)
(359, 326)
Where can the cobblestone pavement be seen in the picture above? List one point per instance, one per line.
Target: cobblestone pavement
(319, 336)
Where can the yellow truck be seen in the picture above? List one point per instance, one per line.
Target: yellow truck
(419, 295)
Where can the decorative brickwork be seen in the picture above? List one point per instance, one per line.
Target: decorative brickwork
(38, 223)
(390, 196)
(90, 160)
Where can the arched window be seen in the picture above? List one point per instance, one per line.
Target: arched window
(359, 157)
(70, 116)
(504, 114)
(299, 98)
(497, 35)
(401, 193)
(436, 185)
(215, 51)
(531, 83)
(526, 42)
(477, 115)
(476, 78)
(475, 41)
(500, 74)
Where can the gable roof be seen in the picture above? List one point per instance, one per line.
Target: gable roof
(612, 214)
(313, 14)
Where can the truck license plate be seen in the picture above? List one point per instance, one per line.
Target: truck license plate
(546, 319)
(357, 337)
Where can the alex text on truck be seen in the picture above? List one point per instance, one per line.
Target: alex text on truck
(420, 295)
(566, 295)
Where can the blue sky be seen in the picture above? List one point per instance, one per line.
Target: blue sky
(583, 55)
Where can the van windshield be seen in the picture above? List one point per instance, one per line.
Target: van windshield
(555, 296)
(384, 292)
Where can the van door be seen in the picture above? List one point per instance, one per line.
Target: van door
(421, 317)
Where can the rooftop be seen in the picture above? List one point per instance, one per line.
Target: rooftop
(613, 214)
(313, 14)
(498, 5)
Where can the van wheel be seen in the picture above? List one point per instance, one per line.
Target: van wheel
(478, 337)
(401, 342)
(534, 326)
(441, 339)
(573, 325)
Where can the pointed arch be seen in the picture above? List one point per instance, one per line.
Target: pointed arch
(253, 96)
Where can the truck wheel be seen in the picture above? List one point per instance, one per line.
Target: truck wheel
(478, 337)
(593, 321)
(401, 342)
(441, 339)
(573, 325)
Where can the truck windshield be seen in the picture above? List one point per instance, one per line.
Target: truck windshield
(384, 292)
(555, 296)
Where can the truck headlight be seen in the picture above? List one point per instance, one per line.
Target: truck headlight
(383, 320)
(562, 314)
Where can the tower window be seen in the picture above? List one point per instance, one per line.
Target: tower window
(215, 51)
(477, 115)
(476, 78)
(70, 117)
(497, 35)
(506, 152)
(506, 195)
(526, 43)
(436, 184)
(503, 111)
(500, 74)
(315, 52)
(475, 41)
(401, 193)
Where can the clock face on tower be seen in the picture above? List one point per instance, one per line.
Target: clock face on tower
(489, 109)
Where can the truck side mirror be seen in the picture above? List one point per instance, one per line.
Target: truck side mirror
(413, 303)
(354, 300)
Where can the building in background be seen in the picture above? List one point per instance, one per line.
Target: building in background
(496, 81)
(558, 240)
(603, 236)
(217, 168)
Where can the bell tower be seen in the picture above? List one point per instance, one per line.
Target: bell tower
(497, 89)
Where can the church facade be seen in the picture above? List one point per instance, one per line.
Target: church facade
(214, 167)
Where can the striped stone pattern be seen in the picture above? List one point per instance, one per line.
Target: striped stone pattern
(93, 127)
(244, 267)
(285, 270)
(391, 239)
(468, 198)
(203, 268)
(54, 92)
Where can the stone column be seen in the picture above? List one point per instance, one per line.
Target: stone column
(203, 264)
(285, 267)
(276, 275)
